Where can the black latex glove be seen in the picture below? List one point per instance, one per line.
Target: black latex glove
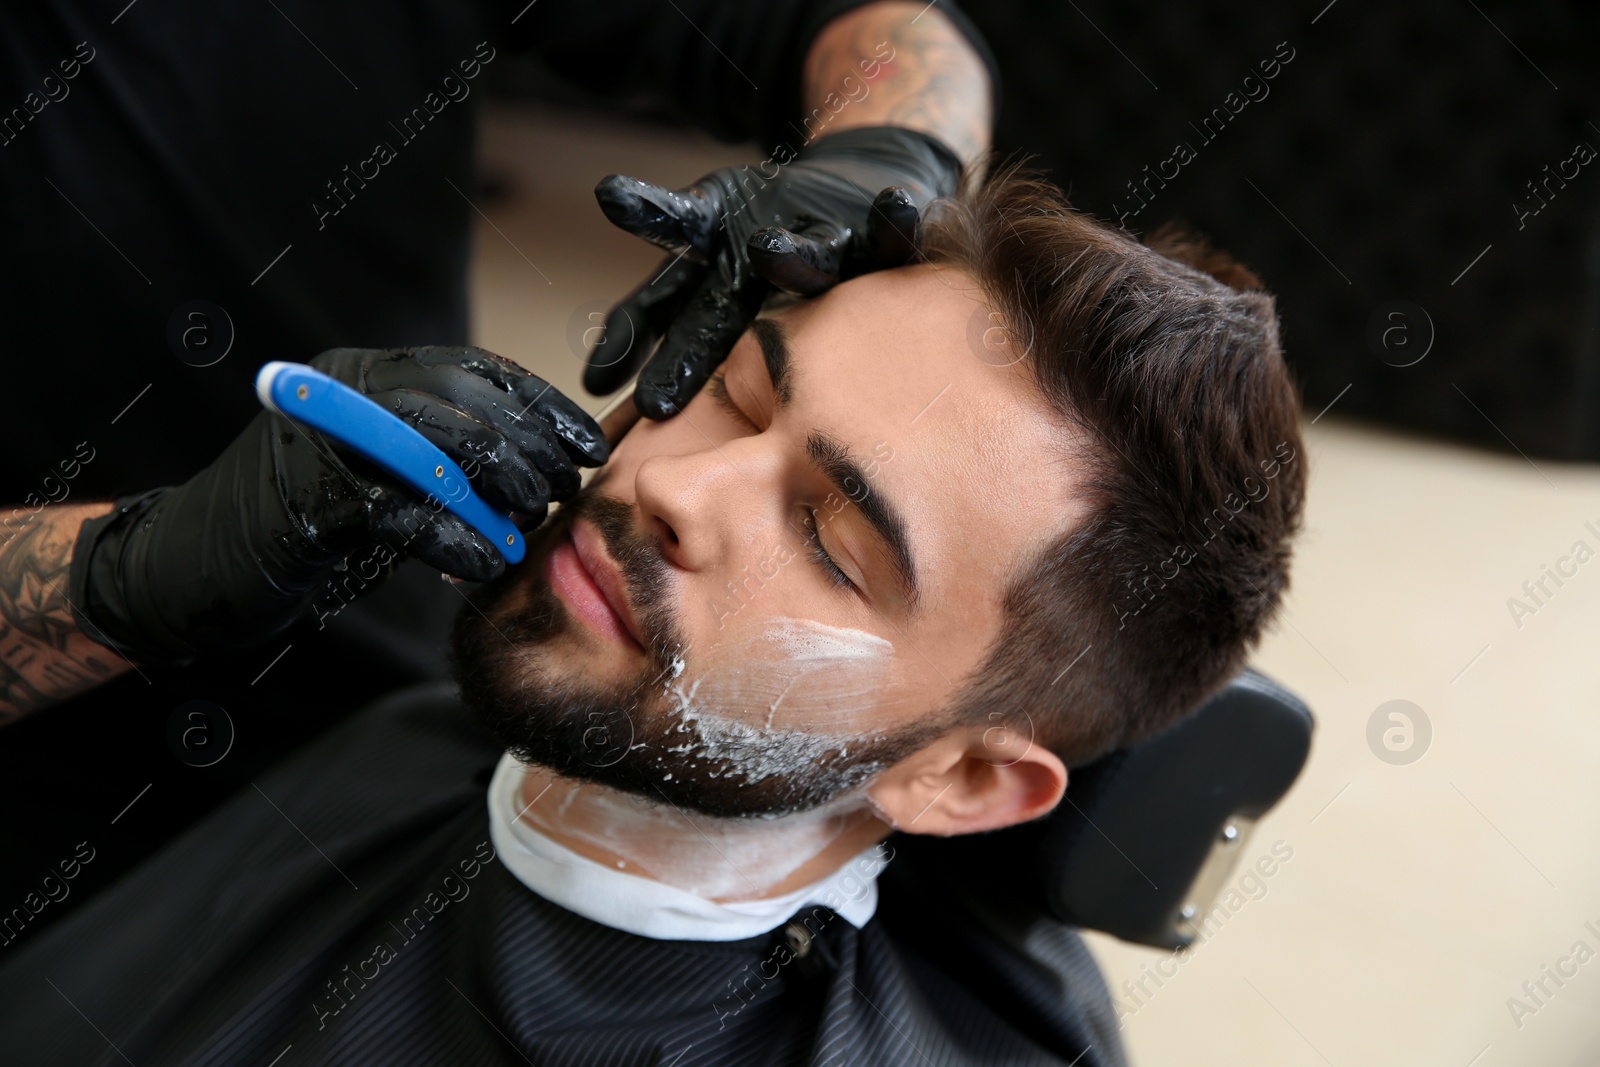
(847, 205)
(235, 554)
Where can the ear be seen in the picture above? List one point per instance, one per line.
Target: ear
(968, 781)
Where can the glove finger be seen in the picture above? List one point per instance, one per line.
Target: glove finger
(697, 343)
(667, 218)
(637, 322)
(800, 263)
(421, 531)
(578, 434)
(433, 372)
(892, 226)
(502, 474)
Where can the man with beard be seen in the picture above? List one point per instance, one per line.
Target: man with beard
(923, 544)
(308, 170)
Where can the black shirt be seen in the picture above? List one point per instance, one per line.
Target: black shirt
(348, 908)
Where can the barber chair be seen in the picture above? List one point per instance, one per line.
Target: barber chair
(1146, 837)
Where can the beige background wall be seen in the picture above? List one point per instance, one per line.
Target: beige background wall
(1419, 897)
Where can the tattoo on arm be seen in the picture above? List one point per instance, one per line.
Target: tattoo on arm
(44, 657)
(901, 64)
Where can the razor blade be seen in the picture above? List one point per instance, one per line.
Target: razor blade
(360, 424)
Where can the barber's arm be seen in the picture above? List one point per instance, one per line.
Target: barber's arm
(237, 553)
(894, 100)
(935, 80)
(44, 656)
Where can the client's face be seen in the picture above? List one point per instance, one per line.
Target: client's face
(767, 599)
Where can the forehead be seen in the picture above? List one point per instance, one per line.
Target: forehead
(907, 363)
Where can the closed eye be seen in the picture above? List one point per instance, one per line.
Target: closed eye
(819, 555)
(718, 388)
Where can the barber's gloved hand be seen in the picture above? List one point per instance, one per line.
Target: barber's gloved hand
(848, 204)
(235, 554)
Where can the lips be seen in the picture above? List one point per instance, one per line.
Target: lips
(604, 602)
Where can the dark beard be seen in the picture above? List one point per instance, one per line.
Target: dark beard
(627, 736)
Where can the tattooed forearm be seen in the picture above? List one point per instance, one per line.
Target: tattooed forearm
(44, 657)
(902, 64)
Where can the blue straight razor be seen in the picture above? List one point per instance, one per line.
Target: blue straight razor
(362, 425)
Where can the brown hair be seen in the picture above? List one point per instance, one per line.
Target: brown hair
(1166, 357)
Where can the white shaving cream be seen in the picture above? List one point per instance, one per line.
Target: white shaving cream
(790, 695)
(791, 675)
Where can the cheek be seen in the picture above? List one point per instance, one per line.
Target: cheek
(781, 673)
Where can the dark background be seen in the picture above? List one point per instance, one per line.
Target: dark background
(1384, 158)
(1397, 141)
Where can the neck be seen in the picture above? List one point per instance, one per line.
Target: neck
(722, 859)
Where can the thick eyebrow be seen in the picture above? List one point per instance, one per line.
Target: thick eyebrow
(832, 457)
(774, 342)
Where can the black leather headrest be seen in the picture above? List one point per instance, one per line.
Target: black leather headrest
(1123, 850)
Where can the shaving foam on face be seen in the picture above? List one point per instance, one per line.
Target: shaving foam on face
(790, 676)
(808, 643)
(783, 702)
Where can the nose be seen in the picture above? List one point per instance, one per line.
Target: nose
(703, 505)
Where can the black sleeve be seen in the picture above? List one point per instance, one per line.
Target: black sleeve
(730, 67)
